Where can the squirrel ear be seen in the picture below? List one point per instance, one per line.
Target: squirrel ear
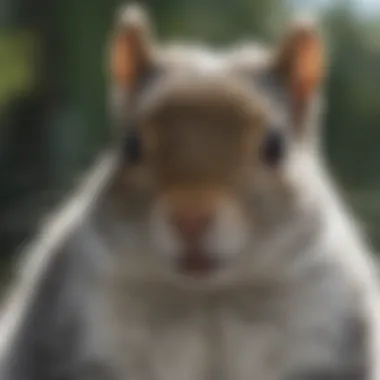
(131, 46)
(301, 65)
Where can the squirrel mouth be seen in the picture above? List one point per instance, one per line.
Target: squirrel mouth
(196, 262)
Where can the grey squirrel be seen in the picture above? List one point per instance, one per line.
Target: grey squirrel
(210, 242)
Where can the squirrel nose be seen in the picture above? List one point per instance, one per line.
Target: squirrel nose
(191, 225)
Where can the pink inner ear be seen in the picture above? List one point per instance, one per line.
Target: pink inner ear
(307, 71)
(123, 67)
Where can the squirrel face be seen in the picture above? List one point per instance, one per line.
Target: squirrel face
(203, 134)
(209, 141)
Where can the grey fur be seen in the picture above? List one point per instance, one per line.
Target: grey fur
(59, 336)
(50, 305)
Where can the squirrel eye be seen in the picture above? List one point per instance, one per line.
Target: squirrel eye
(273, 148)
(132, 147)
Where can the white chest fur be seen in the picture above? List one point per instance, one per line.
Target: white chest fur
(161, 334)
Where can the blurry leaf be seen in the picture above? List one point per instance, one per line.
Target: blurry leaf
(18, 54)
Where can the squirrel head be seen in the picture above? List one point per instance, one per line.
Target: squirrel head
(210, 138)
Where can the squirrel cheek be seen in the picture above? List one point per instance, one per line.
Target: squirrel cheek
(164, 240)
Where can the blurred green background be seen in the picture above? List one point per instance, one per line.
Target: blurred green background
(53, 119)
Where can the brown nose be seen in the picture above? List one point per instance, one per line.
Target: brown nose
(191, 225)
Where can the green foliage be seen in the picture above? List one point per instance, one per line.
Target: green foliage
(353, 116)
(219, 21)
(18, 52)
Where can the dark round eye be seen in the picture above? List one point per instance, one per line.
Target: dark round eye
(273, 148)
(132, 147)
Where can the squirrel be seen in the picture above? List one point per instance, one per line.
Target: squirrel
(209, 242)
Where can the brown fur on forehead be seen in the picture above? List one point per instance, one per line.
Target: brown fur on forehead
(204, 127)
(203, 117)
(200, 94)
(197, 73)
